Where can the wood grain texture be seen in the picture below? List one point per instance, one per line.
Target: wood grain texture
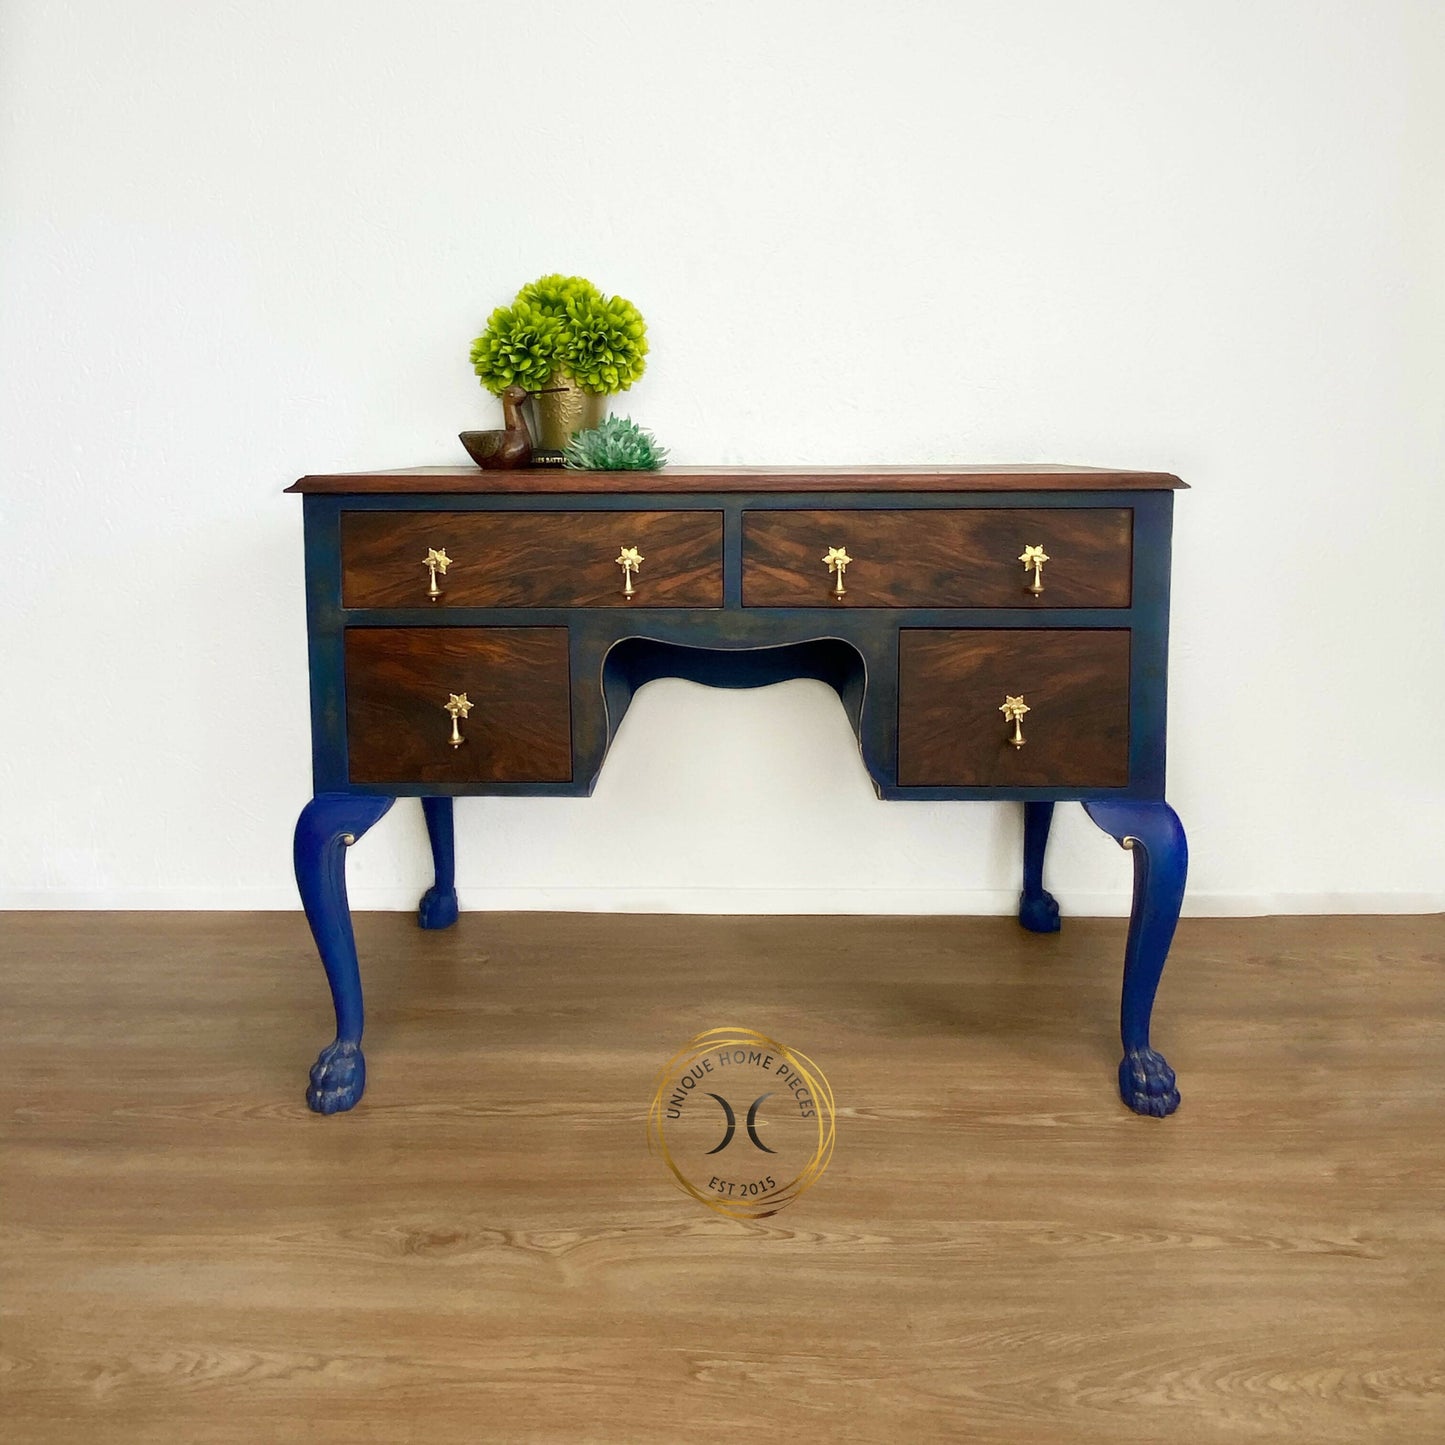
(938, 558)
(952, 682)
(531, 559)
(1025, 477)
(999, 1252)
(398, 680)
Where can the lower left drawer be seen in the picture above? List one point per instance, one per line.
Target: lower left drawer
(458, 705)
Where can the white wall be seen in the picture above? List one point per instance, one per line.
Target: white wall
(246, 241)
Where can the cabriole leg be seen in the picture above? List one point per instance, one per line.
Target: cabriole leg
(1038, 912)
(438, 907)
(1153, 833)
(328, 824)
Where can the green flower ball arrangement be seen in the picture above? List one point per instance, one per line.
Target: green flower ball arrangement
(617, 445)
(562, 328)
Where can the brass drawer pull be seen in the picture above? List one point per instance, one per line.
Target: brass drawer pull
(837, 560)
(1033, 559)
(436, 560)
(458, 705)
(1013, 710)
(630, 560)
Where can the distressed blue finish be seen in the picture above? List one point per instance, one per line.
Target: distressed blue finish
(328, 824)
(1153, 833)
(854, 650)
(438, 907)
(873, 633)
(1038, 911)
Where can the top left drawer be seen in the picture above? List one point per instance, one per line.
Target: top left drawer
(530, 559)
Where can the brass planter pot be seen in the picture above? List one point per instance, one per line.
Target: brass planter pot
(562, 409)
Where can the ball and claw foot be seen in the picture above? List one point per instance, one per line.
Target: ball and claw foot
(338, 1078)
(1038, 912)
(438, 908)
(1146, 1083)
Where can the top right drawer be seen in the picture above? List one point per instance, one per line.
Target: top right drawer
(939, 558)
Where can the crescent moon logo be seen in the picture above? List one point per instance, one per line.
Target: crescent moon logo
(732, 1127)
(732, 1123)
(751, 1073)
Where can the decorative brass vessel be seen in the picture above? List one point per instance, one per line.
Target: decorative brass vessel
(561, 409)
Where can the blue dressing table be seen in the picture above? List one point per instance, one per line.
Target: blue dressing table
(991, 633)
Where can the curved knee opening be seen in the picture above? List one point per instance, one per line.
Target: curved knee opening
(638, 660)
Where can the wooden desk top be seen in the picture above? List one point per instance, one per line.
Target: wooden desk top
(1022, 477)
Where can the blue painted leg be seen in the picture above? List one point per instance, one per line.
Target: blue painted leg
(1038, 912)
(328, 824)
(438, 908)
(1154, 834)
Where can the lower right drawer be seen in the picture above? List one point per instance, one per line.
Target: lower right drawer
(1067, 698)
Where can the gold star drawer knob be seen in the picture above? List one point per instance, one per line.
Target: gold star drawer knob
(458, 705)
(630, 560)
(836, 559)
(1033, 559)
(1013, 710)
(436, 560)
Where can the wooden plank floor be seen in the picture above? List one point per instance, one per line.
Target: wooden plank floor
(484, 1250)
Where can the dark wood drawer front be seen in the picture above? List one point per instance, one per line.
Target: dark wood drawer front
(939, 558)
(952, 683)
(531, 559)
(516, 679)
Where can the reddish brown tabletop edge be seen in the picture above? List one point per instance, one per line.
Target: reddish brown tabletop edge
(1021, 477)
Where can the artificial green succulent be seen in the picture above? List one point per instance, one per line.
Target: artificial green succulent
(518, 348)
(553, 293)
(617, 445)
(606, 343)
(562, 327)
